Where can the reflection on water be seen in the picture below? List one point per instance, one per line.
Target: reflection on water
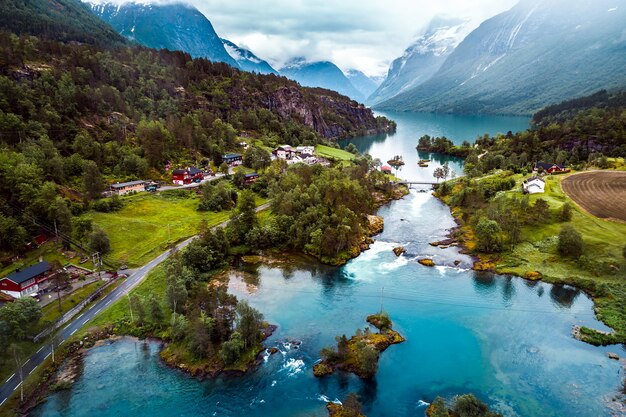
(411, 126)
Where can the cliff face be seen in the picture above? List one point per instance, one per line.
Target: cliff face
(328, 113)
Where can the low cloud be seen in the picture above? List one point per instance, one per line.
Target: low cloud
(362, 34)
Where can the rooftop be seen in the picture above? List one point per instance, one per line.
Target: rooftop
(28, 273)
(127, 184)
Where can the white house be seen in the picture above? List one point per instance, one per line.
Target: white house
(284, 152)
(534, 185)
(305, 151)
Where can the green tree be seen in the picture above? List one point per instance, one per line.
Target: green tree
(178, 327)
(540, 211)
(232, 348)
(156, 311)
(92, 180)
(99, 242)
(19, 316)
(570, 242)
(565, 214)
(176, 294)
(248, 323)
(244, 219)
(138, 309)
(224, 168)
(488, 236)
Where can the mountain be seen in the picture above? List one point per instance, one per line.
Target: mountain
(63, 20)
(423, 58)
(323, 74)
(364, 84)
(247, 60)
(174, 26)
(536, 54)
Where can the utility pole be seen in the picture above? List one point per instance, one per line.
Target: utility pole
(18, 362)
(168, 233)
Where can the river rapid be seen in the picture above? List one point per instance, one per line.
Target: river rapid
(504, 339)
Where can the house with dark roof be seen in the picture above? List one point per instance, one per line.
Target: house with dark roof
(550, 168)
(25, 282)
(232, 159)
(250, 178)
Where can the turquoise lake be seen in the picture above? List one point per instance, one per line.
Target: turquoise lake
(504, 339)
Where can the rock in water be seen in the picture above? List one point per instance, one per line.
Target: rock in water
(399, 250)
(426, 262)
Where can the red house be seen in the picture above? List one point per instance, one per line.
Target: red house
(187, 176)
(25, 282)
(550, 168)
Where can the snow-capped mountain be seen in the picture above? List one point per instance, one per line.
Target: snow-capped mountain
(423, 58)
(323, 74)
(536, 54)
(174, 26)
(247, 60)
(364, 84)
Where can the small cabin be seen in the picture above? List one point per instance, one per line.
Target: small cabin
(250, 178)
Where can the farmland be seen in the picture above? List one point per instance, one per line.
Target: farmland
(597, 192)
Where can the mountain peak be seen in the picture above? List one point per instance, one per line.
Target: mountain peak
(247, 60)
(173, 26)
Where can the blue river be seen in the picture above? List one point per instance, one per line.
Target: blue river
(504, 339)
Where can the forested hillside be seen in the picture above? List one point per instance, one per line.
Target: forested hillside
(63, 20)
(73, 116)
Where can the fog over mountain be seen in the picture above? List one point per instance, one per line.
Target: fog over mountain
(535, 54)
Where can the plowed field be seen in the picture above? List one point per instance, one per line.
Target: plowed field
(600, 193)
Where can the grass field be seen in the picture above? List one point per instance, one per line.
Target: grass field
(333, 153)
(597, 192)
(149, 223)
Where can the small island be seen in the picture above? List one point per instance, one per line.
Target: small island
(466, 405)
(361, 352)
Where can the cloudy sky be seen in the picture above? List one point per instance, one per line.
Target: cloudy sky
(362, 34)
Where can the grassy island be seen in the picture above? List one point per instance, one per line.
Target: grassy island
(361, 352)
(461, 406)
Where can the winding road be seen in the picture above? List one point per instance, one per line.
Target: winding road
(138, 275)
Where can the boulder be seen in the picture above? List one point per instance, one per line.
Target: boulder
(426, 262)
(399, 250)
(613, 356)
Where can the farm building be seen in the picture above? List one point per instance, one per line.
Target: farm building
(250, 178)
(22, 283)
(122, 188)
(550, 168)
(187, 175)
(232, 159)
(534, 185)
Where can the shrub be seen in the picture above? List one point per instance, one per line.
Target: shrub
(570, 242)
(565, 214)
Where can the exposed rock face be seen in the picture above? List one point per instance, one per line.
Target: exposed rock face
(613, 356)
(376, 224)
(292, 102)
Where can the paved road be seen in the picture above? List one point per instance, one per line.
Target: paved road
(138, 275)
